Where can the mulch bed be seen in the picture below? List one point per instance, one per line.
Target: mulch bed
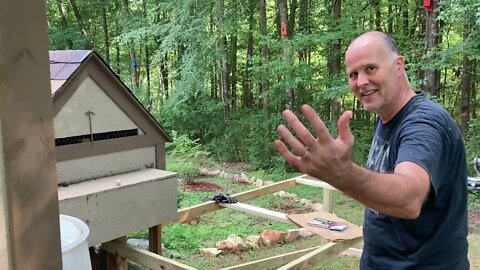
(202, 186)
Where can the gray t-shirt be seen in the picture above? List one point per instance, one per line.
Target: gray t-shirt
(425, 134)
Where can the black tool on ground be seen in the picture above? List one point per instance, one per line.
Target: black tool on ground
(220, 198)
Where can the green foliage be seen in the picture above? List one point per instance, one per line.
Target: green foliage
(183, 146)
(472, 144)
(193, 114)
(189, 174)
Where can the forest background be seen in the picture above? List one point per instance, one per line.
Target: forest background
(216, 74)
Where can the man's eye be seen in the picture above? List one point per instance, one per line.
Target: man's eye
(371, 69)
(353, 75)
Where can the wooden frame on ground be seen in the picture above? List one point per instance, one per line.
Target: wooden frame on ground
(302, 259)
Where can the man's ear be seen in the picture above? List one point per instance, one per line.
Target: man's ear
(400, 63)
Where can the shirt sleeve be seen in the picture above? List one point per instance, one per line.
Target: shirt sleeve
(423, 141)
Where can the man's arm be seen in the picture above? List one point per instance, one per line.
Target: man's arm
(400, 194)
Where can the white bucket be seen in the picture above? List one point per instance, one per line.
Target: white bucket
(74, 233)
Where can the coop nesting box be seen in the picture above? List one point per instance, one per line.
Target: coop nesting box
(110, 150)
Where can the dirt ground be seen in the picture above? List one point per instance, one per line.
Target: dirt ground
(474, 222)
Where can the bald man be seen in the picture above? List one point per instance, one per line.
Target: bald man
(414, 186)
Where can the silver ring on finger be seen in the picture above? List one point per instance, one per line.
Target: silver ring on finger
(306, 154)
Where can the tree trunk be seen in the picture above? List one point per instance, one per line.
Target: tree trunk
(232, 67)
(335, 61)
(432, 77)
(405, 18)
(247, 80)
(233, 71)
(303, 26)
(147, 71)
(134, 75)
(164, 74)
(222, 45)
(473, 87)
(465, 90)
(106, 38)
(282, 10)
(378, 15)
(466, 78)
(390, 19)
(81, 24)
(292, 17)
(264, 34)
(61, 10)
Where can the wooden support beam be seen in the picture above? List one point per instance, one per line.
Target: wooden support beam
(114, 260)
(155, 239)
(211, 206)
(279, 260)
(327, 190)
(322, 254)
(314, 183)
(143, 257)
(258, 211)
(272, 262)
(29, 221)
(328, 200)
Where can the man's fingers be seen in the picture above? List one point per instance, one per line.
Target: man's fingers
(291, 141)
(344, 132)
(285, 153)
(300, 130)
(323, 135)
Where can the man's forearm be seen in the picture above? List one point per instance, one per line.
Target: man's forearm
(392, 194)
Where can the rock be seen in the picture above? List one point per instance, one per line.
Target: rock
(309, 205)
(292, 235)
(294, 197)
(139, 243)
(254, 240)
(272, 237)
(204, 172)
(214, 173)
(269, 183)
(304, 233)
(281, 193)
(244, 177)
(259, 183)
(317, 206)
(210, 252)
(233, 244)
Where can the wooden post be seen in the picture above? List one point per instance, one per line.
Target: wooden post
(114, 260)
(328, 200)
(155, 239)
(29, 218)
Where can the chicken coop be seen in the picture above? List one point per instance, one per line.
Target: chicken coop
(110, 150)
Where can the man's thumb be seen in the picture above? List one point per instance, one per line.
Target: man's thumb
(344, 132)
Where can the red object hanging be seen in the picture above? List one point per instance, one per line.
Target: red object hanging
(284, 30)
(428, 5)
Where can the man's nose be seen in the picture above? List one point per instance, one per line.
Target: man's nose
(362, 80)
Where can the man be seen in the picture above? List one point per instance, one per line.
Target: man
(415, 184)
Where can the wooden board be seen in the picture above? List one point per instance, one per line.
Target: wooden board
(211, 206)
(322, 254)
(142, 200)
(258, 211)
(145, 258)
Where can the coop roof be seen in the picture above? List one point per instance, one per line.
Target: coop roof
(69, 67)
